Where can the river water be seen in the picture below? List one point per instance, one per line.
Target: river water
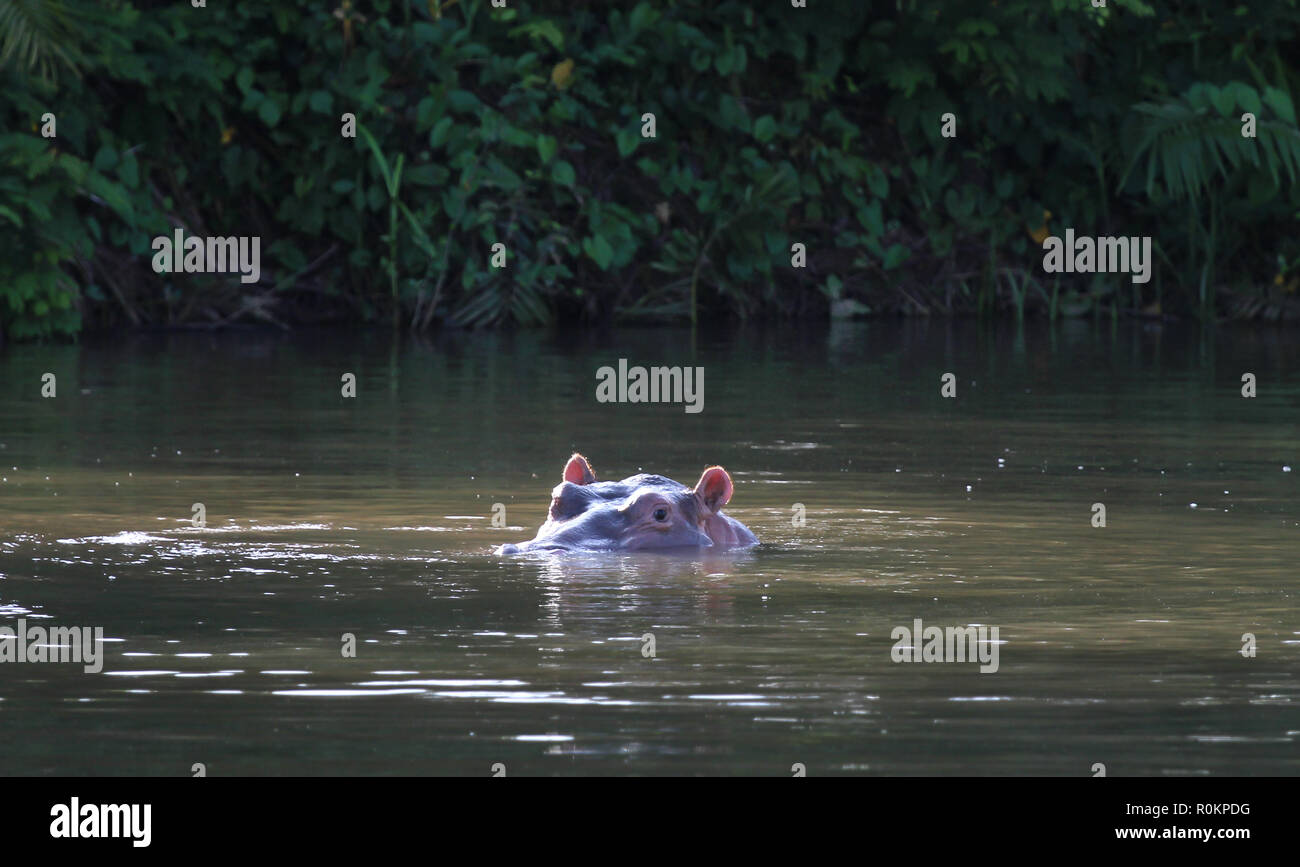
(878, 502)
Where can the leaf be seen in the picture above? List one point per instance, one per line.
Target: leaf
(1280, 103)
(724, 62)
(453, 203)
(562, 74)
(105, 158)
(872, 219)
(1223, 100)
(546, 148)
(627, 139)
(599, 251)
(1245, 96)
(895, 255)
(114, 195)
(422, 238)
(269, 111)
(731, 113)
(908, 75)
(765, 128)
(464, 102)
(424, 112)
(502, 176)
(642, 17)
(440, 130)
(542, 29)
(379, 155)
(424, 32)
(563, 174)
(516, 137)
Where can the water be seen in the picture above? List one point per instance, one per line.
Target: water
(372, 517)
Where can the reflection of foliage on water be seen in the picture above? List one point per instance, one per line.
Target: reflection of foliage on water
(523, 126)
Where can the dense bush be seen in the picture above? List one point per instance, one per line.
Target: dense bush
(523, 125)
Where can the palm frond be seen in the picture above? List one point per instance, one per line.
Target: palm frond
(1185, 142)
(40, 37)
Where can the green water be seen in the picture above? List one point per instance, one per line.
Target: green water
(372, 516)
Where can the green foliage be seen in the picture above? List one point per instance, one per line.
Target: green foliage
(1186, 141)
(37, 36)
(523, 126)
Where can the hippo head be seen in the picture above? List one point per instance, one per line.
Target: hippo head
(639, 513)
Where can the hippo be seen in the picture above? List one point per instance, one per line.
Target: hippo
(642, 512)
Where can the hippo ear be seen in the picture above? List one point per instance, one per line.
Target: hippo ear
(714, 488)
(578, 471)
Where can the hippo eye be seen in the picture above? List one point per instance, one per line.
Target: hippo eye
(661, 514)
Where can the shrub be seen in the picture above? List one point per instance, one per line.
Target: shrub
(523, 126)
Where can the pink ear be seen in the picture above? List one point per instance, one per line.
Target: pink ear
(714, 488)
(578, 471)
